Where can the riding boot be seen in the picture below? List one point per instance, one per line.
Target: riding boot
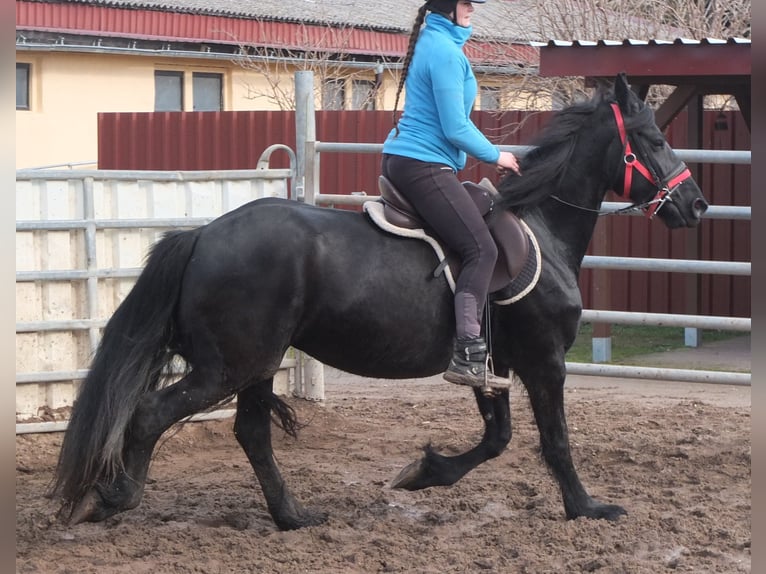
(468, 366)
(469, 362)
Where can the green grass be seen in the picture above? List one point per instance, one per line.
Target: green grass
(635, 340)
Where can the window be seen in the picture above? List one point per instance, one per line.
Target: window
(168, 91)
(22, 86)
(362, 95)
(489, 98)
(333, 95)
(207, 91)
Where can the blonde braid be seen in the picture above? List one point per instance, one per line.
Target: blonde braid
(407, 59)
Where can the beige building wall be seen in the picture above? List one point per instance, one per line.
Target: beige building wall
(68, 90)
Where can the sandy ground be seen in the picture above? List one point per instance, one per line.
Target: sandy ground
(676, 456)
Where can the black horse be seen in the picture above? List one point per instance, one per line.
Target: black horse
(232, 296)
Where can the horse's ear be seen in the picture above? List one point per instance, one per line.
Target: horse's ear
(622, 90)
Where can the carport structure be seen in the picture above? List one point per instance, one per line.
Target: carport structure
(695, 68)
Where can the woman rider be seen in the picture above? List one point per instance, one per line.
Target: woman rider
(423, 153)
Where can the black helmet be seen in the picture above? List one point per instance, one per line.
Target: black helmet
(446, 6)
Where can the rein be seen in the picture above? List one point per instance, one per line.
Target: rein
(631, 161)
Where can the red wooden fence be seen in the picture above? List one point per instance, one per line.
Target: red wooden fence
(235, 140)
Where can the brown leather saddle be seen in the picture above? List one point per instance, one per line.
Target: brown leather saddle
(513, 240)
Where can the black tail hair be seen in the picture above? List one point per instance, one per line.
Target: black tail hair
(137, 345)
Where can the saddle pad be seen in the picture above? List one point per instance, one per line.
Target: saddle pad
(521, 285)
(517, 289)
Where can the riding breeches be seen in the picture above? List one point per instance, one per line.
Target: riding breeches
(444, 204)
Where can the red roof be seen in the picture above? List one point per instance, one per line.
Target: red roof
(83, 19)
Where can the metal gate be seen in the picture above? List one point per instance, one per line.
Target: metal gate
(81, 236)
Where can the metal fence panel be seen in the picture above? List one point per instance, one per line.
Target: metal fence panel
(81, 239)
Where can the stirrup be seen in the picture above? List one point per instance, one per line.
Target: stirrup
(471, 366)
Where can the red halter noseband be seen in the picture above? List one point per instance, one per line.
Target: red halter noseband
(632, 162)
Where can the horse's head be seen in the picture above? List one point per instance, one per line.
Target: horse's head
(651, 175)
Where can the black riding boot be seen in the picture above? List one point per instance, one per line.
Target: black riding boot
(468, 363)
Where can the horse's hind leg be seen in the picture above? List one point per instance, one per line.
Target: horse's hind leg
(438, 470)
(156, 412)
(547, 400)
(253, 431)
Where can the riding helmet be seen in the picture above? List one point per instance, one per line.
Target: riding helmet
(446, 6)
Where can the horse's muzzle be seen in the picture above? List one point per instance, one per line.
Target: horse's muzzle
(699, 206)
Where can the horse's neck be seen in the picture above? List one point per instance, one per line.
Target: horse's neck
(570, 212)
(571, 216)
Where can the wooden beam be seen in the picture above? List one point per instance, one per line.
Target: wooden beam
(671, 107)
(664, 60)
(743, 101)
(642, 90)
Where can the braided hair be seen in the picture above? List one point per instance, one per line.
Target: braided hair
(419, 19)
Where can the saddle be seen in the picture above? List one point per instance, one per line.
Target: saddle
(518, 263)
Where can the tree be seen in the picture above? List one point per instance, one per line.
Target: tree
(321, 49)
(592, 20)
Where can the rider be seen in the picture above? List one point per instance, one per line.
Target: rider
(423, 153)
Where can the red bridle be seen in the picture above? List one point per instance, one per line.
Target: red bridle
(632, 162)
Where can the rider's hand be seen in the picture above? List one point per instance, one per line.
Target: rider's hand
(507, 161)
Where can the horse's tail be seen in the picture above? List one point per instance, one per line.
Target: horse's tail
(138, 342)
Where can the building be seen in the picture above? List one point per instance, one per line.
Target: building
(77, 58)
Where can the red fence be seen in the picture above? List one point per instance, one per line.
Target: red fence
(235, 140)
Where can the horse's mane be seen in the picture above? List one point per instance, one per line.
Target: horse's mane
(548, 163)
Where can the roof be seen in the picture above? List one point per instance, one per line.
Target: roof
(377, 29)
(489, 20)
(695, 67)
(650, 60)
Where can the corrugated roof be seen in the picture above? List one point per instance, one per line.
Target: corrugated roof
(490, 19)
(88, 20)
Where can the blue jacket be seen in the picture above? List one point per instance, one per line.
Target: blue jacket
(440, 91)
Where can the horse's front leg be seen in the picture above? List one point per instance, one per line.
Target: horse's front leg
(252, 428)
(547, 400)
(437, 470)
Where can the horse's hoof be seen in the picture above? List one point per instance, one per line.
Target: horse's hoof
(409, 477)
(307, 518)
(598, 511)
(88, 509)
(315, 518)
(611, 512)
